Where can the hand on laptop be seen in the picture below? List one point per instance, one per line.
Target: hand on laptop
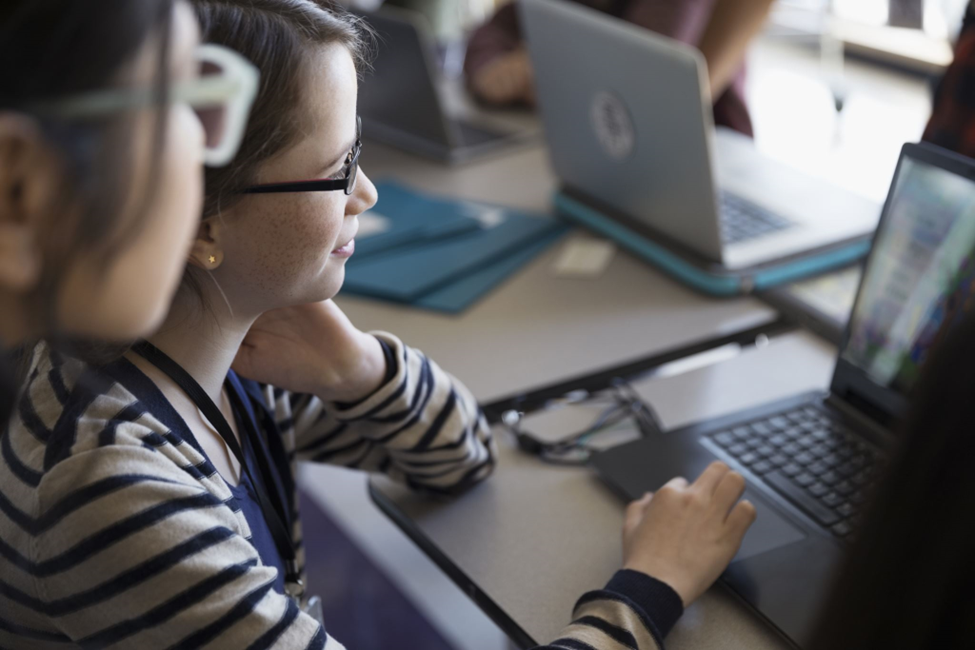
(685, 535)
(506, 80)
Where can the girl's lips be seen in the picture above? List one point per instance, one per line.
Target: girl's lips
(345, 251)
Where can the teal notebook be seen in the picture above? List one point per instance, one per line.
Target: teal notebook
(441, 254)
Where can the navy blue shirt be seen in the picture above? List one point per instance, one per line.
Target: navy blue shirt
(244, 494)
(246, 497)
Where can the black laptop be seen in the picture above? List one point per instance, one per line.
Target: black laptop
(400, 102)
(810, 460)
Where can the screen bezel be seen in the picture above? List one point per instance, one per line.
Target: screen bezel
(881, 403)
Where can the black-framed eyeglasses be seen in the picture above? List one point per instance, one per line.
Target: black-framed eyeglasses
(347, 183)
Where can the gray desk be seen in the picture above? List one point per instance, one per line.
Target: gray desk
(530, 540)
(539, 328)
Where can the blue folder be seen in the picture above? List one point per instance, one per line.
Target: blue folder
(414, 220)
(443, 254)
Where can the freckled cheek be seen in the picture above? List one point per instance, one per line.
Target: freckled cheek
(314, 228)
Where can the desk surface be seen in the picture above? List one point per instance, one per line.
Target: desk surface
(519, 536)
(539, 328)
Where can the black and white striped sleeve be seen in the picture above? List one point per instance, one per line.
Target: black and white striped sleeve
(633, 612)
(137, 555)
(422, 427)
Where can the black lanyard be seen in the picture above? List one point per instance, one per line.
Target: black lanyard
(274, 511)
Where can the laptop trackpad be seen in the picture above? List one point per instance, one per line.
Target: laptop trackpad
(770, 530)
(645, 465)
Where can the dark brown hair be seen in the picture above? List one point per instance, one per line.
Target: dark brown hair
(277, 36)
(54, 49)
(907, 580)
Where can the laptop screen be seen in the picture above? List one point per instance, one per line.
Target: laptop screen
(921, 276)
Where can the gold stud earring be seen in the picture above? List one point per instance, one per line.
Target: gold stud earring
(213, 259)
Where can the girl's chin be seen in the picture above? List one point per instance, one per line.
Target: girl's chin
(331, 284)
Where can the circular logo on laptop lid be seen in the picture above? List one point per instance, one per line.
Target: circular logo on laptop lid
(613, 125)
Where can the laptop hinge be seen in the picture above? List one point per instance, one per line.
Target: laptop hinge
(875, 430)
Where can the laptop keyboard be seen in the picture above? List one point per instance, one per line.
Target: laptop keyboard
(811, 460)
(742, 220)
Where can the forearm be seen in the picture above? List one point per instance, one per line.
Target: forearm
(733, 24)
(498, 36)
(422, 427)
(632, 611)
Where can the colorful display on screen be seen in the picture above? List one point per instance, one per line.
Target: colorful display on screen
(920, 278)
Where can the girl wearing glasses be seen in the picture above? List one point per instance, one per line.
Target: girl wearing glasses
(107, 116)
(101, 160)
(166, 500)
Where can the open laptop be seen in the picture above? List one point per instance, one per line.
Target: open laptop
(628, 120)
(400, 101)
(810, 460)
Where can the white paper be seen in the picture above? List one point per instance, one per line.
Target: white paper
(587, 258)
(372, 223)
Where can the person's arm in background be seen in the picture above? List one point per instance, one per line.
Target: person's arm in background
(496, 64)
(732, 26)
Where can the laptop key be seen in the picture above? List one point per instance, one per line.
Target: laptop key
(725, 439)
(748, 459)
(805, 479)
(805, 458)
(778, 460)
(762, 466)
(817, 450)
(832, 499)
(737, 449)
(841, 529)
(791, 449)
(784, 485)
(831, 459)
(806, 441)
(846, 510)
(818, 489)
(829, 477)
(794, 433)
(818, 468)
(844, 488)
(761, 428)
(792, 469)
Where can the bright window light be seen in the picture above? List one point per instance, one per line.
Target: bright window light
(871, 12)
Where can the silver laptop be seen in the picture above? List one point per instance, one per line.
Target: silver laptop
(628, 120)
(400, 101)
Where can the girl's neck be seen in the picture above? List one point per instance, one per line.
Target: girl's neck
(204, 344)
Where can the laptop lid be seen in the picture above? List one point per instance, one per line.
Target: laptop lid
(627, 117)
(919, 281)
(398, 95)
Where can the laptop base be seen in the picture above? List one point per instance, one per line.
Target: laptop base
(782, 550)
(693, 270)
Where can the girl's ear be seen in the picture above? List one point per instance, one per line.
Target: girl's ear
(29, 176)
(206, 252)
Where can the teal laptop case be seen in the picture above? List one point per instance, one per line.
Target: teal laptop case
(694, 271)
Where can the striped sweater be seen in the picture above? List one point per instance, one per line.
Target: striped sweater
(116, 530)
